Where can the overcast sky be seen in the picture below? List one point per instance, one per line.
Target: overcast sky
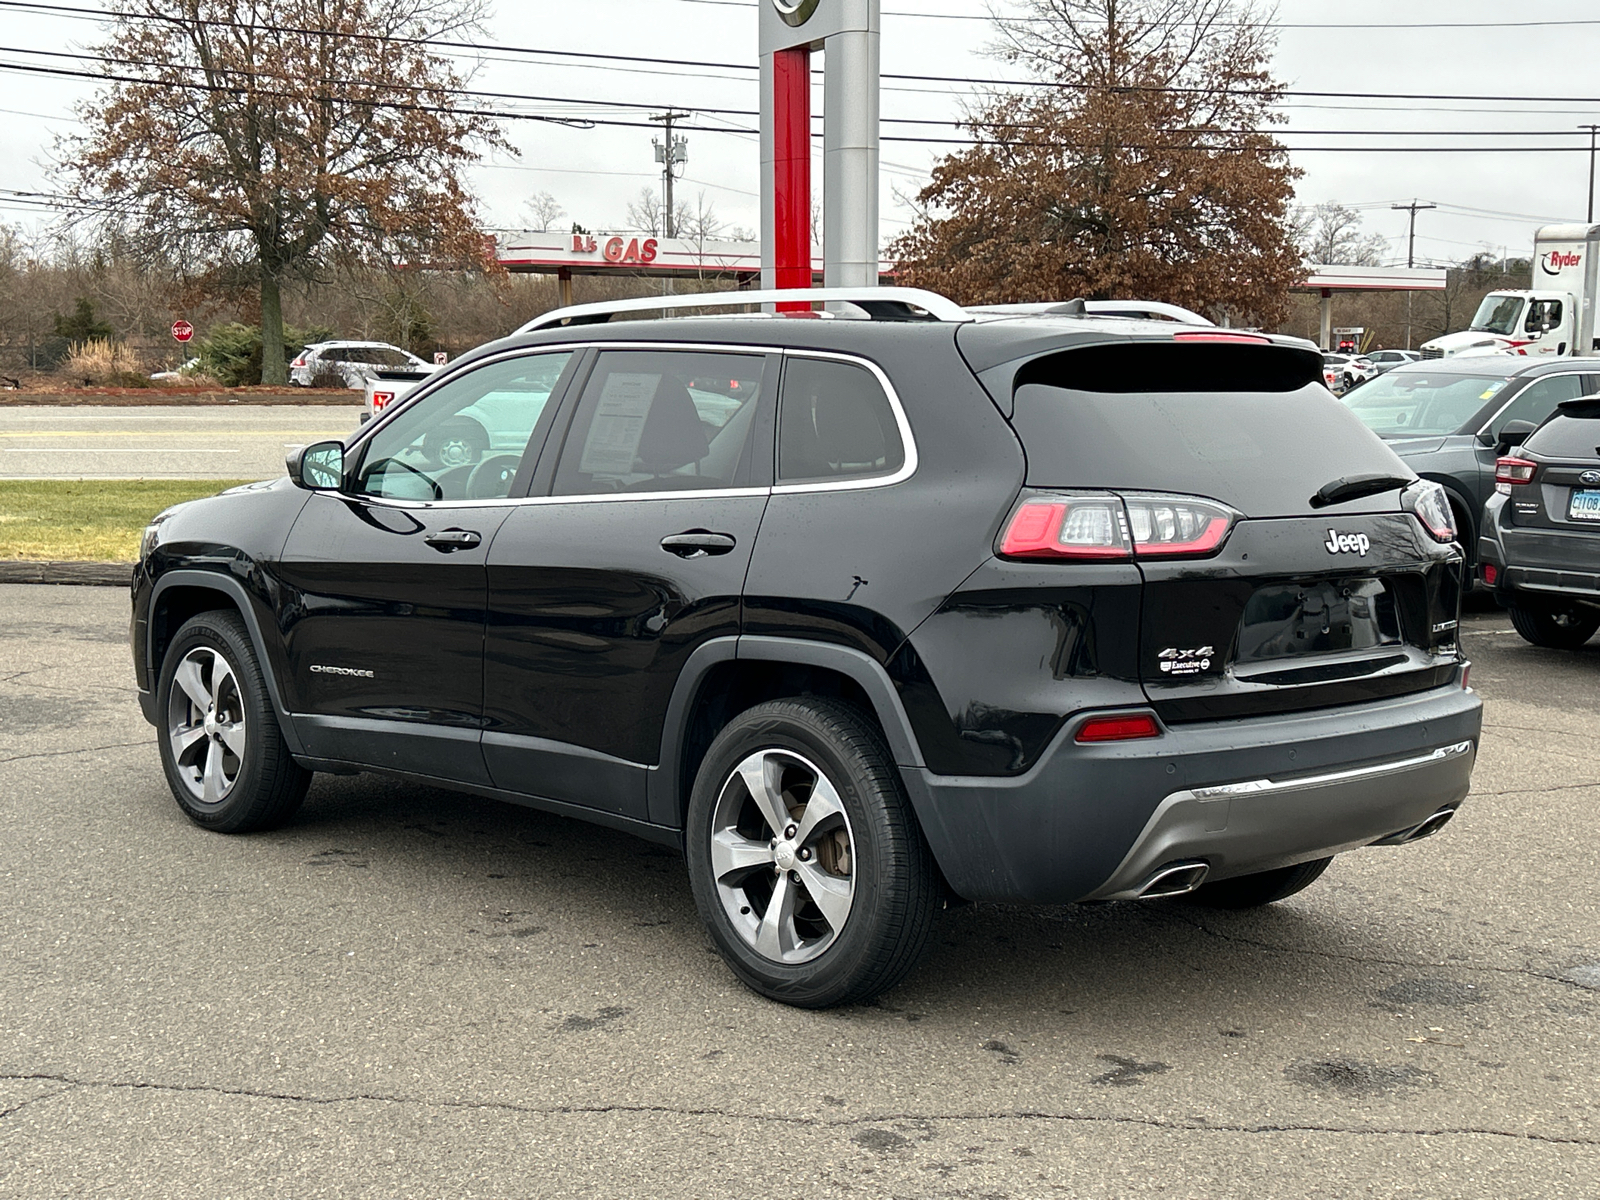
(1493, 199)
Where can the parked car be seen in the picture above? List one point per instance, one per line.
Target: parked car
(1387, 360)
(1446, 418)
(857, 614)
(1540, 548)
(387, 385)
(1342, 372)
(353, 362)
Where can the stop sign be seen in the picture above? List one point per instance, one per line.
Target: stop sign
(182, 330)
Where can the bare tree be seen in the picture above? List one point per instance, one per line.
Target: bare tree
(1148, 170)
(543, 211)
(267, 140)
(1331, 233)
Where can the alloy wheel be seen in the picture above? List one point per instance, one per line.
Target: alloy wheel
(783, 856)
(206, 725)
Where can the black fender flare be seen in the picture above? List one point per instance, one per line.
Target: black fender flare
(664, 802)
(216, 581)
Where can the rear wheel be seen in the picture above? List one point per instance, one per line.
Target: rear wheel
(221, 748)
(1264, 887)
(807, 864)
(1558, 628)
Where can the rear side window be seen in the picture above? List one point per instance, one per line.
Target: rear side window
(653, 421)
(835, 422)
(1539, 399)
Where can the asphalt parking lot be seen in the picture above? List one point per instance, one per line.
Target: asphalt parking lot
(222, 441)
(410, 993)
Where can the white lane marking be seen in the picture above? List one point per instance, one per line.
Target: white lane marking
(110, 450)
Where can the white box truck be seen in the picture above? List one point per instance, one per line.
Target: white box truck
(1555, 316)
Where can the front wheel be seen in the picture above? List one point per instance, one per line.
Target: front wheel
(221, 748)
(808, 866)
(1554, 628)
(1264, 887)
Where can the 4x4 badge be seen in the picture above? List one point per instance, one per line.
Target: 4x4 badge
(1186, 662)
(1345, 543)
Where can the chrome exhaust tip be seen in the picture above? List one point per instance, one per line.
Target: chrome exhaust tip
(1417, 832)
(1174, 879)
(1432, 825)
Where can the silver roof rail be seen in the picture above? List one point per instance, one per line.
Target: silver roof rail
(1134, 309)
(879, 303)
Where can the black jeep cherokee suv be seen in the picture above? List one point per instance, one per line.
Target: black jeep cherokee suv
(858, 613)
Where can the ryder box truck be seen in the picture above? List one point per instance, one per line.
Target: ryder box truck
(1555, 316)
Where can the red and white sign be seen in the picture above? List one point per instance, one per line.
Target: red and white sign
(182, 330)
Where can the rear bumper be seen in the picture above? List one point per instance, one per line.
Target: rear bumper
(1556, 564)
(1096, 822)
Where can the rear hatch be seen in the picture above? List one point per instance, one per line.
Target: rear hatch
(1283, 567)
(1552, 524)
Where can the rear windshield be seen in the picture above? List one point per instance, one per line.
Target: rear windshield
(1403, 403)
(1568, 437)
(1264, 452)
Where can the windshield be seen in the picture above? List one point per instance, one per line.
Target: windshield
(1498, 314)
(1404, 403)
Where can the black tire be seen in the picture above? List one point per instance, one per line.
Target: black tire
(893, 883)
(459, 442)
(1264, 887)
(266, 785)
(1349, 382)
(1554, 628)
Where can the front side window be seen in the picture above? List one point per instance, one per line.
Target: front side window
(835, 422)
(465, 440)
(1543, 314)
(661, 421)
(1538, 400)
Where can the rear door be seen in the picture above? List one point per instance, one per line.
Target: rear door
(633, 558)
(1257, 598)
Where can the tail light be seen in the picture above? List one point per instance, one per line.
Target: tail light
(1101, 525)
(1125, 727)
(381, 400)
(1426, 501)
(1514, 470)
(299, 362)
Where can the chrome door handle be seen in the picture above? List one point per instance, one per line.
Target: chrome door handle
(447, 541)
(698, 543)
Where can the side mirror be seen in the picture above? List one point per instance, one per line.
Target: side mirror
(1513, 433)
(318, 467)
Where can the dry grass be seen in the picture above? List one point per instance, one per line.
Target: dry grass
(60, 520)
(102, 361)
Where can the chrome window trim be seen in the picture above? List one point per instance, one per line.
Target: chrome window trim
(862, 483)
(1537, 379)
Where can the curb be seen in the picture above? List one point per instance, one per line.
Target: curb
(92, 573)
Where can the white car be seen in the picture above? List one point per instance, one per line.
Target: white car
(1388, 360)
(1341, 372)
(182, 373)
(353, 362)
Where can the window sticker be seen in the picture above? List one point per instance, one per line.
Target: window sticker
(1488, 392)
(619, 419)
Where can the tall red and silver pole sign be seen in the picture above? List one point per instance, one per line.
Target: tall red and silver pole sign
(848, 33)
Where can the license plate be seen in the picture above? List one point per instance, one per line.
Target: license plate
(1584, 505)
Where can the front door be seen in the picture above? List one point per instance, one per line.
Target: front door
(386, 579)
(600, 591)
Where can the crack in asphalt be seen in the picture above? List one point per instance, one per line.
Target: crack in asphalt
(1560, 787)
(1200, 1126)
(62, 1091)
(83, 750)
(1362, 958)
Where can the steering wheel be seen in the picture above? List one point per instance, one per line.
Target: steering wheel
(491, 479)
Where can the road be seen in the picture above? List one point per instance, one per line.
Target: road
(411, 993)
(224, 441)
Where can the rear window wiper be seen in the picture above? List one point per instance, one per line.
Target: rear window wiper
(1353, 487)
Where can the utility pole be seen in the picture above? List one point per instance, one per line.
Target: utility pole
(671, 153)
(1411, 256)
(1591, 129)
